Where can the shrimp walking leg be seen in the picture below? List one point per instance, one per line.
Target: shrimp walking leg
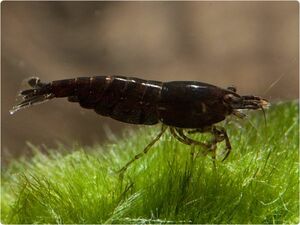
(219, 134)
(175, 135)
(189, 140)
(180, 136)
(148, 147)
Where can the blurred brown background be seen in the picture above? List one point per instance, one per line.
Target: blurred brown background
(248, 44)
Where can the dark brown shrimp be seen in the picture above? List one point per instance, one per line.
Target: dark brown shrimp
(179, 105)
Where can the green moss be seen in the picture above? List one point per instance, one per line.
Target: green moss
(258, 183)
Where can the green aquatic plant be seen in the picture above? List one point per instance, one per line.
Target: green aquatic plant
(257, 183)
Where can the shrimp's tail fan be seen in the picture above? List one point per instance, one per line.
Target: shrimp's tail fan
(36, 93)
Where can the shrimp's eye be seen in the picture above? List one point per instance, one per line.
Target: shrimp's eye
(230, 98)
(232, 88)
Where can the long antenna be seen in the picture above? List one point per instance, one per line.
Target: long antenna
(278, 79)
(274, 83)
